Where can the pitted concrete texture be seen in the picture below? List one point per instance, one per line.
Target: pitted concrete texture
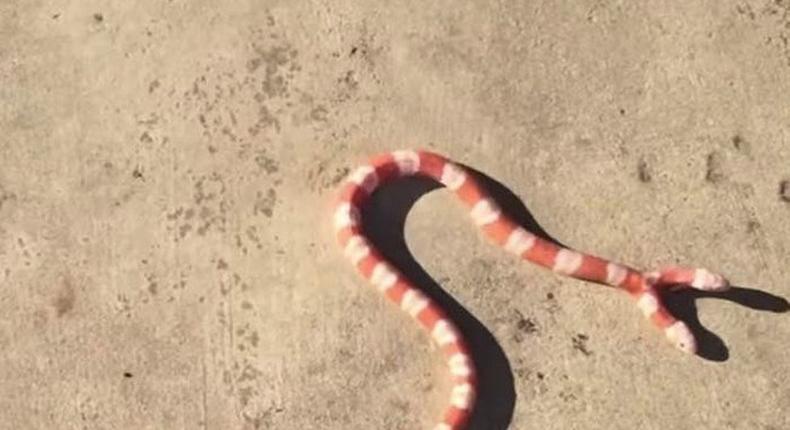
(167, 167)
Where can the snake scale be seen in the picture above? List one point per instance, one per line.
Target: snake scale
(643, 286)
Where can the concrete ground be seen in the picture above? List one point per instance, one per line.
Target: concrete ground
(166, 168)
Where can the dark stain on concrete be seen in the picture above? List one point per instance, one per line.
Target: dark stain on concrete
(643, 172)
(784, 190)
(5, 196)
(713, 168)
(580, 344)
(265, 203)
(266, 163)
(65, 298)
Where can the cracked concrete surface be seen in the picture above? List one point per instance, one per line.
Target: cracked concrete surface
(166, 169)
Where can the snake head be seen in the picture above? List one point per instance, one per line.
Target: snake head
(706, 280)
(679, 278)
(676, 331)
(679, 334)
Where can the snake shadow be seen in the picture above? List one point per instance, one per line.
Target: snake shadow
(681, 303)
(710, 346)
(384, 219)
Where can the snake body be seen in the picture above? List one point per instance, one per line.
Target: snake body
(503, 231)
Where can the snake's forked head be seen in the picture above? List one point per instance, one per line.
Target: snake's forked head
(673, 279)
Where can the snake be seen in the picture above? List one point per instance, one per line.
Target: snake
(644, 287)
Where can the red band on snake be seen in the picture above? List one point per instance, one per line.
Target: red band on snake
(503, 231)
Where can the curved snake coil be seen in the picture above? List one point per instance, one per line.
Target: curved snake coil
(642, 286)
